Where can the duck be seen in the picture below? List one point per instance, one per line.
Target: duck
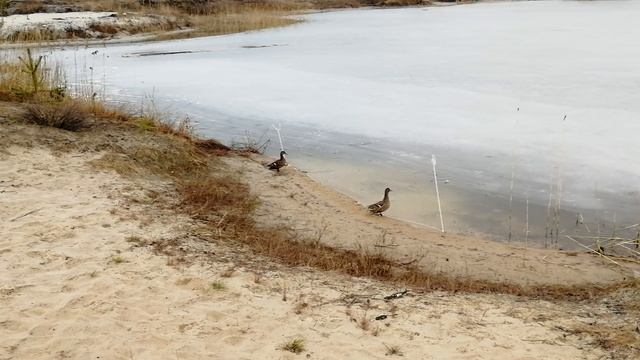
(280, 163)
(381, 206)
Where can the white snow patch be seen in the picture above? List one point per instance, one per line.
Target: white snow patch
(54, 21)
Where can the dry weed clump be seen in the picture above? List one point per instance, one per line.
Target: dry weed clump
(66, 115)
(295, 345)
(300, 307)
(223, 200)
(393, 350)
(218, 286)
(171, 162)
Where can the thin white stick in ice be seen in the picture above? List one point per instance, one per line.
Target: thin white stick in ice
(277, 129)
(435, 181)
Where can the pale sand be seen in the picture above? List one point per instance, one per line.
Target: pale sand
(293, 199)
(64, 295)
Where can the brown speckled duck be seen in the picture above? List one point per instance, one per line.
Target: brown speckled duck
(280, 163)
(381, 206)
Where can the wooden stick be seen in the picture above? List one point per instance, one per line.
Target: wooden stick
(590, 249)
(435, 181)
(26, 214)
(277, 129)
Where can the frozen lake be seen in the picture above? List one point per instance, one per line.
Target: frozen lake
(543, 95)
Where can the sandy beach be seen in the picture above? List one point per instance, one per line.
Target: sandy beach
(94, 264)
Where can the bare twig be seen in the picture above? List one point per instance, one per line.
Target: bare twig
(594, 251)
(26, 214)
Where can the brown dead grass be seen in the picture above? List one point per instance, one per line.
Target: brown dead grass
(19, 82)
(620, 342)
(66, 115)
(233, 21)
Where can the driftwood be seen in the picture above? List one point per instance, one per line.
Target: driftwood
(397, 295)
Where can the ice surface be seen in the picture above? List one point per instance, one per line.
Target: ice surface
(491, 81)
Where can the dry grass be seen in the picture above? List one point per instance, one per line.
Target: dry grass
(300, 307)
(622, 343)
(232, 22)
(30, 78)
(218, 286)
(29, 6)
(4, 4)
(393, 350)
(295, 345)
(66, 115)
(117, 260)
(364, 323)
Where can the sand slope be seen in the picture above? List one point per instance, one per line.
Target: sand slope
(79, 279)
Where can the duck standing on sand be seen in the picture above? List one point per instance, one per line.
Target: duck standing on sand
(280, 163)
(381, 206)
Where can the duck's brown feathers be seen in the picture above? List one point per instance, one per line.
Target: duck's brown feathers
(381, 206)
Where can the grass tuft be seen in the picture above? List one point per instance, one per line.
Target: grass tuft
(67, 115)
(295, 345)
(117, 259)
(300, 307)
(393, 350)
(218, 286)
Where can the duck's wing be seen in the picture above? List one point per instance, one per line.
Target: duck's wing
(274, 165)
(376, 207)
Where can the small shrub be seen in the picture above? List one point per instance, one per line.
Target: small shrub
(136, 240)
(258, 278)
(117, 260)
(66, 116)
(364, 323)
(300, 307)
(393, 350)
(145, 124)
(218, 286)
(295, 345)
(104, 28)
(4, 4)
